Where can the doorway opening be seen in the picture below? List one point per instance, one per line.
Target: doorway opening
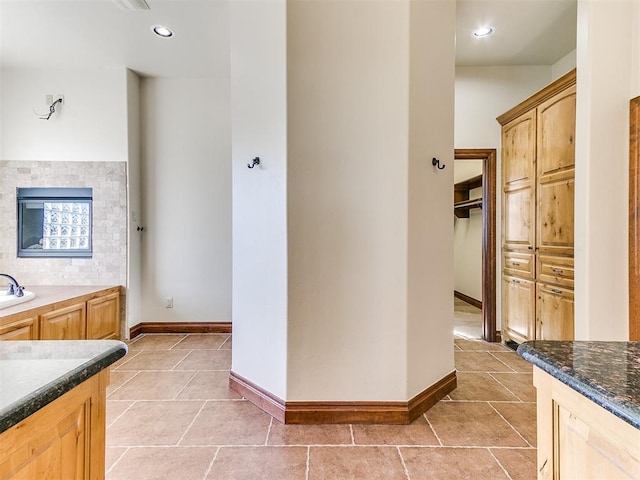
(488, 206)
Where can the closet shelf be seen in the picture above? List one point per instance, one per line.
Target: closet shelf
(462, 203)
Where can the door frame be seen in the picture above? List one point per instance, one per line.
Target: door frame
(489, 158)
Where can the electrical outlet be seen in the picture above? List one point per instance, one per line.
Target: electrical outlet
(168, 302)
(48, 99)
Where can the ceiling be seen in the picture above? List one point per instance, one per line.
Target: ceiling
(97, 33)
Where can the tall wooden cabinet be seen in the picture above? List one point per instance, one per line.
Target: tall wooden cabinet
(538, 179)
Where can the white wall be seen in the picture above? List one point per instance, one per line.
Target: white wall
(430, 196)
(186, 185)
(259, 121)
(89, 126)
(602, 152)
(347, 194)
(564, 65)
(134, 204)
(481, 95)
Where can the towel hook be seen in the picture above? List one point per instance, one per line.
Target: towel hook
(436, 163)
(256, 161)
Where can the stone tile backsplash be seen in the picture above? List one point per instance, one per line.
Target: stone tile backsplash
(108, 266)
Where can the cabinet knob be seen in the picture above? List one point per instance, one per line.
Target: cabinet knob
(557, 271)
(515, 264)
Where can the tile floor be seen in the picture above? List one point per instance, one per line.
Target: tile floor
(467, 319)
(170, 415)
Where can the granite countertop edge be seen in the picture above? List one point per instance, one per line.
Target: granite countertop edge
(581, 384)
(18, 411)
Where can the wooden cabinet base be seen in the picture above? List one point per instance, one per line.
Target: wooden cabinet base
(578, 439)
(64, 440)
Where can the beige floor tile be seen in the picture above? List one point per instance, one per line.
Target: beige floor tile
(418, 433)
(259, 463)
(469, 361)
(202, 341)
(207, 385)
(153, 386)
(481, 345)
(118, 379)
(280, 434)
(112, 455)
(154, 360)
(115, 408)
(522, 416)
(155, 342)
(480, 386)
(355, 463)
(521, 384)
(153, 423)
(129, 355)
(520, 463)
(206, 360)
(514, 360)
(234, 422)
(451, 463)
(227, 344)
(162, 463)
(472, 424)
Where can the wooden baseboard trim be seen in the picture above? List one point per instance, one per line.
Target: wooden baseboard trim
(264, 400)
(314, 413)
(468, 299)
(179, 327)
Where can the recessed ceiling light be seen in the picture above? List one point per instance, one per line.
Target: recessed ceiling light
(162, 31)
(483, 32)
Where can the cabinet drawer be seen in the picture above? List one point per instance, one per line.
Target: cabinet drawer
(556, 270)
(520, 264)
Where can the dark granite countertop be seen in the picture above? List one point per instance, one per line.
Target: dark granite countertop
(607, 373)
(35, 373)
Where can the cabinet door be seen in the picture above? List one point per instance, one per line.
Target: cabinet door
(23, 329)
(518, 309)
(103, 317)
(64, 324)
(555, 187)
(556, 133)
(518, 182)
(554, 313)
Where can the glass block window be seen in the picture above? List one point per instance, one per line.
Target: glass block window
(54, 222)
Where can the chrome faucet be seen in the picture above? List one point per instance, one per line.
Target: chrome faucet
(14, 286)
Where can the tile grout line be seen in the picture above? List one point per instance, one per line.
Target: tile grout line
(222, 344)
(509, 423)
(353, 438)
(504, 386)
(500, 464)
(432, 429)
(178, 443)
(504, 363)
(175, 397)
(189, 352)
(215, 456)
(124, 383)
(308, 466)
(133, 402)
(126, 450)
(404, 465)
(266, 440)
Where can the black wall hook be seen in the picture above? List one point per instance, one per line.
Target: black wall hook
(436, 163)
(256, 161)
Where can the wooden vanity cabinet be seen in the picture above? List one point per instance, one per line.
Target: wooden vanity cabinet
(67, 323)
(538, 184)
(103, 317)
(23, 329)
(91, 315)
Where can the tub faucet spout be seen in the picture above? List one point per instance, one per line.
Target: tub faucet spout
(14, 286)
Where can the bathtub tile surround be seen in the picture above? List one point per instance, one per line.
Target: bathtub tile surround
(108, 266)
(171, 415)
